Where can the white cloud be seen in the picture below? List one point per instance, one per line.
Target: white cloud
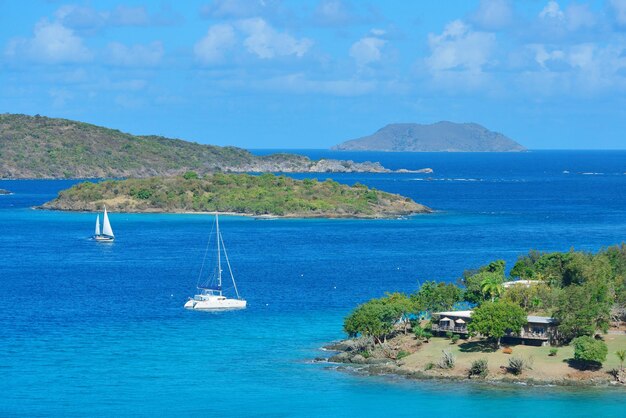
(135, 55)
(367, 50)
(552, 10)
(234, 8)
(266, 42)
(493, 14)
(618, 8)
(218, 40)
(51, 43)
(88, 19)
(460, 48)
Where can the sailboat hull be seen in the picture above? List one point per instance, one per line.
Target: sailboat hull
(103, 238)
(215, 304)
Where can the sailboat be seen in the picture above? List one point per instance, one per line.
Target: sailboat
(211, 297)
(107, 232)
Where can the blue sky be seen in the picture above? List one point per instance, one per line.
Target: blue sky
(312, 73)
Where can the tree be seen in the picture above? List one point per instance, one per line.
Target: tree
(403, 305)
(589, 352)
(491, 286)
(375, 318)
(473, 279)
(582, 310)
(621, 355)
(435, 297)
(495, 319)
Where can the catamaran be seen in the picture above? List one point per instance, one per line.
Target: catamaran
(107, 232)
(211, 297)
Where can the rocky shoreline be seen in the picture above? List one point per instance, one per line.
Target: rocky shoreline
(5, 192)
(360, 356)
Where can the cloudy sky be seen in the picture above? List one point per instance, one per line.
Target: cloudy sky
(312, 73)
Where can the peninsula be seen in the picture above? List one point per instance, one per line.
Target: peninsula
(245, 194)
(559, 318)
(437, 137)
(41, 147)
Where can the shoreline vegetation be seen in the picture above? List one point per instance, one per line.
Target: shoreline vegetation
(266, 195)
(38, 147)
(583, 294)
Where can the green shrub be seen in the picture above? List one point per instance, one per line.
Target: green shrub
(455, 338)
(429, 366)
(479, 368)
(553, 351)
(449, 335)
(589, 352)
(402, 354)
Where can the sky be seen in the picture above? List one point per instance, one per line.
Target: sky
(313, 73)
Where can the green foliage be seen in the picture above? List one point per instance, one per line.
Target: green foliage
(553, 351)
(435, 297)
(491, 286)
(449, 335)
(582, 310)
(538, 297)
(241, 193)
(455, 338)
(375, 318)
(402, 354)
(189, 175)
(479, 368)
(494, 319)
(589, 351)
(429, 366)
(422, 333)
(473, 281)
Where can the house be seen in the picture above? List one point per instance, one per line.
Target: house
(525, 283)
(539, 330)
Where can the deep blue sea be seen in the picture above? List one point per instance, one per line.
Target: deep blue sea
(91, 329)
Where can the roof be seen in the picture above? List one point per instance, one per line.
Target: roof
(458, 314)
(541, 319)
(526, 283)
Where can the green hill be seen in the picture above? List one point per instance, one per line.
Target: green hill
(266, 194)
(41, 147)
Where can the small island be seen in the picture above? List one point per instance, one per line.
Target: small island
(437, 137)
(263, 195)
(4, 192)
(558, 319)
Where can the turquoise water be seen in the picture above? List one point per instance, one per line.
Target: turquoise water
(97, 330)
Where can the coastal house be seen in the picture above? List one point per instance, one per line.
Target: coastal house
(525, 283)
(539, 330)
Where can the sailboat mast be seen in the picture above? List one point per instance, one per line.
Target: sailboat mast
(219, 253)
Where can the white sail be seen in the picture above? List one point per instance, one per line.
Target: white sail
(106, 225)
(98, 225)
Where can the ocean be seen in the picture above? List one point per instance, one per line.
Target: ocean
(99, 330)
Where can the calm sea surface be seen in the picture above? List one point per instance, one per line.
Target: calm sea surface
(98, 329)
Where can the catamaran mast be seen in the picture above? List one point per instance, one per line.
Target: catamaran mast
(219, 257)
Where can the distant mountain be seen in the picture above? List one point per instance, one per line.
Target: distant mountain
(441, 136)
(41, 147)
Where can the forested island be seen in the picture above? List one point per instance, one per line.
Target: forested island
(559, 318)
(266, 194)
(42, 147)
(437, 137)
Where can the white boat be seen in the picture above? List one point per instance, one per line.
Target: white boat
(107, 232)
(211, 297)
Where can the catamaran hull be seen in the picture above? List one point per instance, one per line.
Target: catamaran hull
(215, 305)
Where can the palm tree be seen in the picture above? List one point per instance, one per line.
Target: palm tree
(491, 286)
(621, 355)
